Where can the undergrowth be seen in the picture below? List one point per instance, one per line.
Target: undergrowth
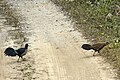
(99, 21)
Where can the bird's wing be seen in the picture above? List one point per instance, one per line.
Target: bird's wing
(21, 50)
(98, 46)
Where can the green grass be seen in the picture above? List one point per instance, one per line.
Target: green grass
(99, 22)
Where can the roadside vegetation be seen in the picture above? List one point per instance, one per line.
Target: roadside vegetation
(99, 21)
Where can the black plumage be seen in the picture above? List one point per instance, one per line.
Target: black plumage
(86, 46)
(19, 52)
(96, 47)
(22, 51)
(10, 52)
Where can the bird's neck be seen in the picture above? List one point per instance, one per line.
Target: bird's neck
(26, 47)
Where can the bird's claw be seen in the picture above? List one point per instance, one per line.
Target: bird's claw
(24, 59)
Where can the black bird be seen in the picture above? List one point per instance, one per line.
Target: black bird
(19, 52)
(22, 51)
(96, 47)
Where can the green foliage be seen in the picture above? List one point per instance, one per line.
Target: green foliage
(98, 20)
(103, 15)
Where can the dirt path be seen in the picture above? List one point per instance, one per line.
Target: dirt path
(54, 52)
(2, 38)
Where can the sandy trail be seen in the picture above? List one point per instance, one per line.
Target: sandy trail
(3, 35)
(54, 52)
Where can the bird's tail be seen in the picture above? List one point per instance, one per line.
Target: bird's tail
(10, 52)
(86, 46)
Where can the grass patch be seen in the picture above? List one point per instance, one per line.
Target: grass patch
(99, 21)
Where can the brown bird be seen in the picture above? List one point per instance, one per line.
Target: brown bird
(96, 47)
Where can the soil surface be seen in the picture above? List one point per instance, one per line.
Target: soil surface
(54, 47)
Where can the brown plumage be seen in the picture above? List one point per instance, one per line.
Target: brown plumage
(96, 47)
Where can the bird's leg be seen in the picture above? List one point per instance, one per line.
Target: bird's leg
(18, 59)
(99, 52)
(94, 53)
(23, 58)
